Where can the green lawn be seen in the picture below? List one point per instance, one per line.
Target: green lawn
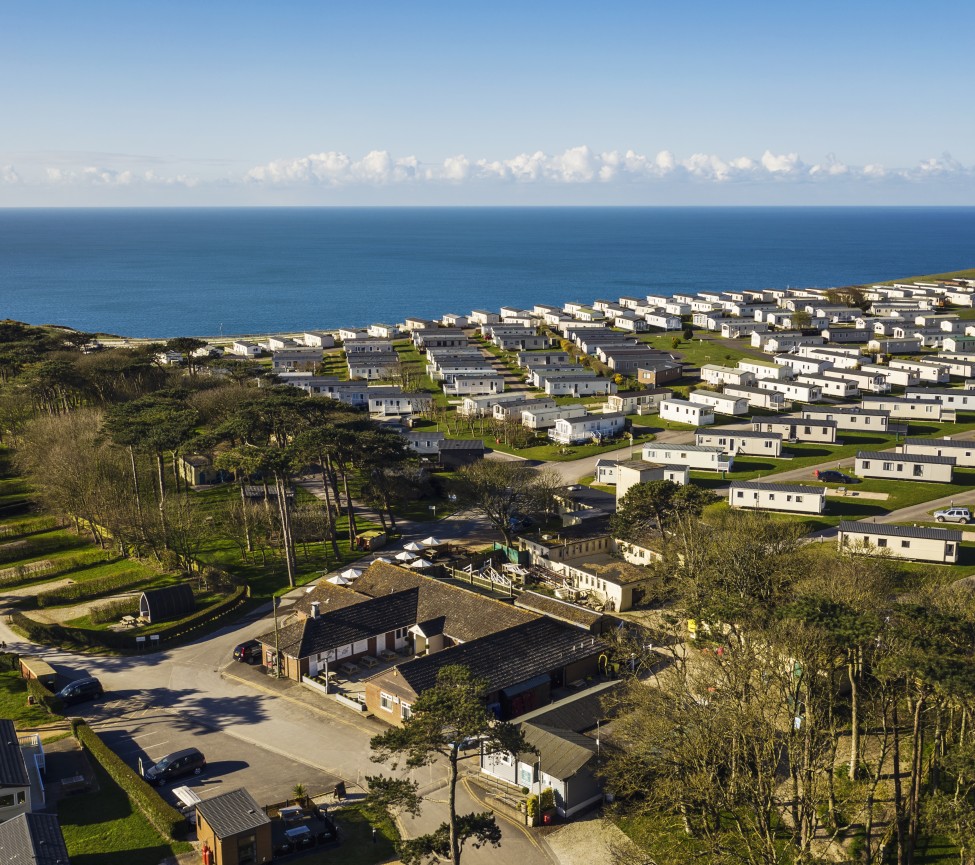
(934, 277)
(704, 348)
(101, 828)
(13, 702)
(355, 824)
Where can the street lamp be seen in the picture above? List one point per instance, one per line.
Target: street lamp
(434, 509)
(277, 651)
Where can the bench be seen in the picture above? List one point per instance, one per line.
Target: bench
(387, 655)
(74, 784)
(369, 661)
(349, 668)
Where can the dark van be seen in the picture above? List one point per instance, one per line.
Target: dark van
(248, 653)
(81, 690)
(187, 762)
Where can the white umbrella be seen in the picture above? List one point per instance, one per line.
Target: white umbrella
(413, 547)
(382, 559)
(431, 542)
(405, 557)
(352, 574)
(338, 580)
(421, 563)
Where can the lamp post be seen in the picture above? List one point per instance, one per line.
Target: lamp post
(434, 509)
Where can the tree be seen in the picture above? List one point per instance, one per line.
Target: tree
(444, 716)
(801, 319)
(502, 489)
(186, 345)
(648, 509)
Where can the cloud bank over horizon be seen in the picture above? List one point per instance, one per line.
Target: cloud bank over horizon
(580, 175)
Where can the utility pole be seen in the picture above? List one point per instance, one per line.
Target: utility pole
(277, 651)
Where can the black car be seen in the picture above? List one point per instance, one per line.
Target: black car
(834, 477)
(248, 653)
(187, 762)
(81, 690)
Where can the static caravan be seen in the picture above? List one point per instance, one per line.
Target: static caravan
(837, 388)
(761, 369)
(852, 418)
(956, 343)
(895, 377)
(714, 374)
(958, 365)
(723, 403)
(798, 429)
(693, 456)
(903, 542)
(956, 398)
(963, 450)
(543, 418)
(759, 398)
(795, 390)
(682, 411)
(840, 358)
(751, 442)
(930, 372)
(914, 407)
(847, 334)
(791, 498)
(869, 382)
(901, 466)
(588, 427)
(910, 345)
(802, 365)
(639, 401)
(629, 473)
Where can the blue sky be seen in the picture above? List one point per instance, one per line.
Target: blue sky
(458, 103)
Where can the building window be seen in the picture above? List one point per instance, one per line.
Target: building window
(798, 499)
(905, 545)
(7, 801)
(526, 775)
(866, 464)
(949, 549)
(405, 711)
(888, 467)
(881, 542)
(385, 701)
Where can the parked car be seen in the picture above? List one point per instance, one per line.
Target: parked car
(248, 653)
(953, 515)
(187, 762)
(829, 476)
(81, 690)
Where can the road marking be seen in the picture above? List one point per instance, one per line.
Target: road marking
(524, 829)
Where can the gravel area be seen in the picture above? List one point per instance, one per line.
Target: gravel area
(591, 840)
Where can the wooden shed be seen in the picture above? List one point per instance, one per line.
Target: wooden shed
(170, 602)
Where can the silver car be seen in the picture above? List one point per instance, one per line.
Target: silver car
(953, 515)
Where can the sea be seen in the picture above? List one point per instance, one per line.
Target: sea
(212, 272)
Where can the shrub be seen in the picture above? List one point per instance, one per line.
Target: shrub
(531, 809)
(32, 572)
(113, 611)
(94, 588)
(546, 800)
(165, 819)
(45, 697)
(37, 546)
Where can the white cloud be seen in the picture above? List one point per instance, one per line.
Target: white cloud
(8, 174)
(582, 166)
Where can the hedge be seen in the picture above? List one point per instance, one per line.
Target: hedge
(165, 819)
(96, 588)
(68, 564)
(37, 546)
(29, 527)
(63, 635)
(45, 697)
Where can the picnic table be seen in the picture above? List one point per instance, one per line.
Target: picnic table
(369, 661)
(349, 667)
(388, 655)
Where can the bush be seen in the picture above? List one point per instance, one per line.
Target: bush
(165, 819)
(531, 809)
(29, 527)
(28, 573)
(45, 697)
(37, 546)
(113, 611)
(546, 800)
(94, 588)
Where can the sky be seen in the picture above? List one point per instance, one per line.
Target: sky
(428, 103)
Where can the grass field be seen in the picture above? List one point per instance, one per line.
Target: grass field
(101, 828)
(13, 702)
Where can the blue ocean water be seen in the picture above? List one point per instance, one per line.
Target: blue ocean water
(201, 272)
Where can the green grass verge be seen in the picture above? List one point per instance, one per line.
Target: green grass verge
(13, 702)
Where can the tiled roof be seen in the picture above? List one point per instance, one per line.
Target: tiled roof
(369, 618)
(468, 614)
(557, 609)
(941, 443)
(462, 445)
(329, 597)
(504, 658)
(736, 433)
(13, 771)
(560, 753)
(232, 813)
(920, 532)
(32, 839)
(577, 713)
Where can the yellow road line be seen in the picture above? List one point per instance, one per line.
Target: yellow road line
(524, 829)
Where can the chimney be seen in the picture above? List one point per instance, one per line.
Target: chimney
(314, 609)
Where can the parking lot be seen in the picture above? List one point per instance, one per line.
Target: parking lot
(136, 730)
